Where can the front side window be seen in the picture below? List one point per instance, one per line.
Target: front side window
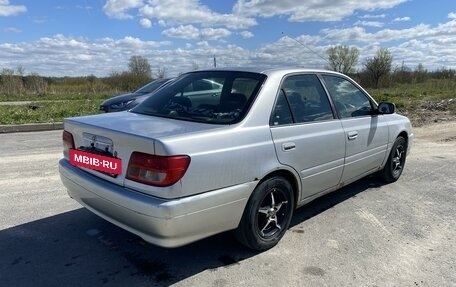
(220, 97)
(306, 100)
(348, 99)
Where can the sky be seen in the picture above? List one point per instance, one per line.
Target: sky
(98, 37)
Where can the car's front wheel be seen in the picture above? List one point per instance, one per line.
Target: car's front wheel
(396, 161)
(267, 215)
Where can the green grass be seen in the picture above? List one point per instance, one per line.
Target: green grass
(59, 97)
(47, 111)
(407, 97)
(410, 96)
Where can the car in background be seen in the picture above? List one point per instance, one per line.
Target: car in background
(128, 101)
(230, 149)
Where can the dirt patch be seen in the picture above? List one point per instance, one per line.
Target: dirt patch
(436, 141)
(431, 112)
(421, 118)
(439, 132)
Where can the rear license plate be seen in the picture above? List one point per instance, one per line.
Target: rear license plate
(105, 164)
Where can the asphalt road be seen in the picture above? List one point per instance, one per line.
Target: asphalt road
(366, 234)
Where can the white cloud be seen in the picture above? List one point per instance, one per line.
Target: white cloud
(195, 21)
(303, 51)
(191, 32)
(59, 55)
(359, 34)
(6, 9)
(135, 44)
(118, 8)
(12, 30)
(81, 57)
(432, 55)
(214, 33)
(183, 32)
(67, 56)
(369, 23)
(182, 12)
(300, 11)
(246, 34)
(402, 19)
(371, 16)
(145, 23)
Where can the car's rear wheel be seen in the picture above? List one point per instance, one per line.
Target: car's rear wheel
(267, 215)
(396, 161)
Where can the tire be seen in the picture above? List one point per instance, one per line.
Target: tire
(267, 214)
(396, 161)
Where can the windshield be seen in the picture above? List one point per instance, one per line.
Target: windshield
(220, 97)
(152, 86)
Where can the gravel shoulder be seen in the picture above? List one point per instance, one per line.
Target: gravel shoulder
(441, 132)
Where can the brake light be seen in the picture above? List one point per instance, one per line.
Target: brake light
(68, 142)
(157, 170)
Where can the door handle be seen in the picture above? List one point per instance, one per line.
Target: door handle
(288, 146)
(352, 135)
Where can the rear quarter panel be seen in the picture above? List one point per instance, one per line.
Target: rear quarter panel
(222, 158)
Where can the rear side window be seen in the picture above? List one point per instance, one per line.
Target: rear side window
(221, 97)
(349, 100)
(281, 115)
(307, 100)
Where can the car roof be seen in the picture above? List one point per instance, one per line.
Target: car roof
(271, 70)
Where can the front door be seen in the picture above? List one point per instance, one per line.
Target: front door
(366, 134)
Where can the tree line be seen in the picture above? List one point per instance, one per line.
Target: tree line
(138, 73)
(377, 71)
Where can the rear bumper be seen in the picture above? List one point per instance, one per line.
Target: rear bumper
(164, 222)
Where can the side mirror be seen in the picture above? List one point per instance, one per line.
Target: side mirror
(386, 108)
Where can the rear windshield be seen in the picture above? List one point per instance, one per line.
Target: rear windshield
(219, 97)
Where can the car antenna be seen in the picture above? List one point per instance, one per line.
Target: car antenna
(307, 47)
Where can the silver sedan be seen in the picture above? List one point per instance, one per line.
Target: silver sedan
(230, 149)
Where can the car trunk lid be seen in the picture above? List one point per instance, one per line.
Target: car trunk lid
(120, 134)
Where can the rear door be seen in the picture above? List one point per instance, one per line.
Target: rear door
(306, 134)
(366, 134)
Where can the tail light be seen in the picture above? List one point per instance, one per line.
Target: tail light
(157, 170)
(68, 142)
